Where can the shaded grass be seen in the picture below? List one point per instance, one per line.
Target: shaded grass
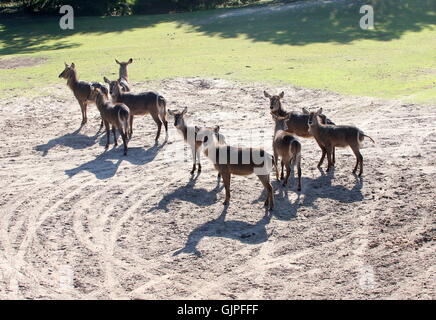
(318, 47)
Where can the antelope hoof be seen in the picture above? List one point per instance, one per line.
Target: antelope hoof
(106, 147)
(226, 203)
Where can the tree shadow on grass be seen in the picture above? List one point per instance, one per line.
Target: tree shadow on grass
(319, 23)
(35, 34)
(315, 22)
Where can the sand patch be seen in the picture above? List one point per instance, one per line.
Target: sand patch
(15, 63)
(78, 222)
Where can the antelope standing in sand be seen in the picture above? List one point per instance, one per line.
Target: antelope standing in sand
(229, 160)
(288, 148)
(115, 115)
(141, 104)
(331, 136)
(189, 136)
(82, 90)
(297, 123)
(123, 75)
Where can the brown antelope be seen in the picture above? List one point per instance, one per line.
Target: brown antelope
(331, 136)
(189, 136)
(141, 104)
(81, 90)
(229, 160)
(288, 148)
(123, 75)
(115, 115)
(297, 122)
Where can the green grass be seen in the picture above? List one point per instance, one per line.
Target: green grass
(320, 47)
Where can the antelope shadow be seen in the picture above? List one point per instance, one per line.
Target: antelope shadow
(198, 196)
(322, 187)
(74, 140)
(238, 230)
(104, 166)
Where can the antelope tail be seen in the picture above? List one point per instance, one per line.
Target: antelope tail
(369, 138)
(124, 120)
(161, 104)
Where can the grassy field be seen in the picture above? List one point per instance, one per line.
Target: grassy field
(316, 46)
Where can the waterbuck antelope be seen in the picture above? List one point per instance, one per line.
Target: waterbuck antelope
(115, 115)
(229, 160)
(331, 136)
(296, 122)
(81, 90)
(288, 148)
(141, 104)
(123, 75)
(190, 135)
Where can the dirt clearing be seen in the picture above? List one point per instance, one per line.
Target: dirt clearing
(78, 222)
(16, 63)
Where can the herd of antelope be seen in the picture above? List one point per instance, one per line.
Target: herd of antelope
(118, 110)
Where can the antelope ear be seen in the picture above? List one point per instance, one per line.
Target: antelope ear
(319, 111)
(184, 111)
(130, 61)
(66, 65)
(305, 111)
(117, 61)
(170, 112)
(216, 129)
(267, 95)
(106, 80)
(282, 95)
(73, 65)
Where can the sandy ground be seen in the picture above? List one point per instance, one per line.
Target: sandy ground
(78, 222)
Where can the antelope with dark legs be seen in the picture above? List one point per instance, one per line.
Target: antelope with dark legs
(115, 115)
(288, 148)
(189, 136)
(82, 90)
(331, 136)
(296, 122)
(141, 104)
(123, 78)
(229, 160)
